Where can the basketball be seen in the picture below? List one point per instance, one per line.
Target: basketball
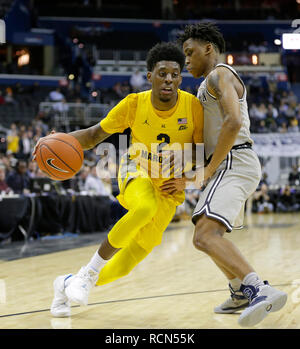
(59, 156)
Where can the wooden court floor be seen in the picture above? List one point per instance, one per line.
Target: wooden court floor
(176, 286)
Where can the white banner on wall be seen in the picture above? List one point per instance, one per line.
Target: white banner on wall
(277, 144)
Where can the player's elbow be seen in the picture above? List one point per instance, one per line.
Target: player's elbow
(234, 123)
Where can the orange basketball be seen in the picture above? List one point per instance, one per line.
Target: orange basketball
(59, 156)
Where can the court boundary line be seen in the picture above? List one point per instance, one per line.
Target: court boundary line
(132, 299)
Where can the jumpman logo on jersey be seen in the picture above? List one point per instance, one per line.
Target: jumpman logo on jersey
(146, 122)
(202, 96)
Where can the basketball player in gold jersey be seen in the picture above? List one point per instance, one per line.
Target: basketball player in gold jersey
(161, 116)
(232, 174)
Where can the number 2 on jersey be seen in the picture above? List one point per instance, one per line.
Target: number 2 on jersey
(165, 140)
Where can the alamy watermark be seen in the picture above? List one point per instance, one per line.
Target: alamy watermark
(160, 160)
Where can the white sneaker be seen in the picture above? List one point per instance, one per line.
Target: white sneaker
(60, 306)
(236, 302)
(79, 288)
(262, 300)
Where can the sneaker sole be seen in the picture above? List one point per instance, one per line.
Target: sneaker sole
(261, 310)
(278, 302)
(61, 314)
(255, 314)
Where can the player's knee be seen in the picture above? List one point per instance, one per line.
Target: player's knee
(146, 210)
(206, 236)
(124, 269)
(201, 242)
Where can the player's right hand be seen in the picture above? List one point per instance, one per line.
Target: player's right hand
(33, 154)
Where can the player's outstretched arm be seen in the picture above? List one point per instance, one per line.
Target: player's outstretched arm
(90, 137)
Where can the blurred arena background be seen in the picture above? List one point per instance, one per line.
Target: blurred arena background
(65, 64)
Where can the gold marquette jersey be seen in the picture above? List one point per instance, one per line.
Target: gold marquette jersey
(153, 131)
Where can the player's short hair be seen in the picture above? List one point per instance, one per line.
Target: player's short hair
(205, 32)
(165, 51)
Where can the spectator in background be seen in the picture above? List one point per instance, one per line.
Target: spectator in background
(119, 91)
(24, 144)
(18, 180)
(9, 96)
(272, 86)
(262, 201)
(12, 140)
(95, 186)
(290, 111)
(78, 184)
(12, 128)
(293, 125)
(283, 128)
(283, 107)
(137, 81)
(38, 133)
(56, 95)
(61, 106)
(262, 127)
(253, 111)
(32, 169)
(8, 161)
(292, 98)
(261, 112)
(254, 87)
(264, 179)
(3, 184)
(294, 176)
(287, 201)
(272, 112)
(272, 126)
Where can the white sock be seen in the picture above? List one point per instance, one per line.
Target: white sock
(252, 279)
(96, 263)
(235, 284)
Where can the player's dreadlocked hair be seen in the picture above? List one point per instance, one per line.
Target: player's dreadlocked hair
(165, 51)
(205, 32)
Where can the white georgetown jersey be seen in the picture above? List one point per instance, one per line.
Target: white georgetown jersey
(213, 119)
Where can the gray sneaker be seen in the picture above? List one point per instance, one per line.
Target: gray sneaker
(262, 300)
(237, 301)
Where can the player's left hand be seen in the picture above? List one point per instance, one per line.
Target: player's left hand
(33, 154)
(173, 185)
(208, 173)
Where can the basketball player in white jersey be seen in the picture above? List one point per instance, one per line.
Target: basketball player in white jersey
(231, 175)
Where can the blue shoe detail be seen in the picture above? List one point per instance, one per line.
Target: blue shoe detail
(66, 278)
(249, 292)
(236, 294)
(257, 300)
